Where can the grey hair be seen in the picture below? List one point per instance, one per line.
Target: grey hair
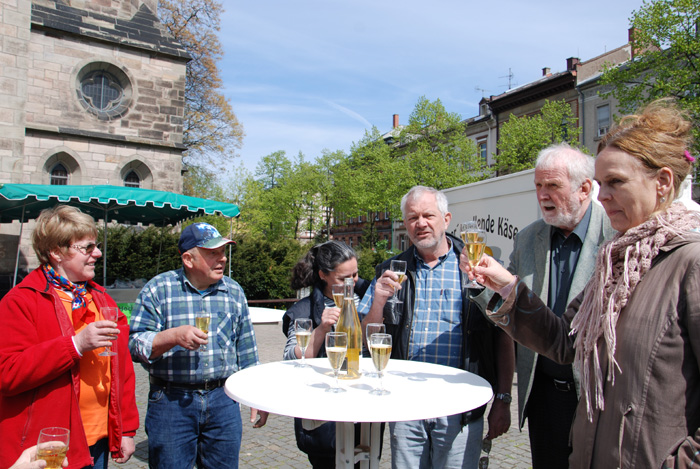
(417, 191)
(579, 166)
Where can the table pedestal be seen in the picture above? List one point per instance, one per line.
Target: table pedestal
(366, 453)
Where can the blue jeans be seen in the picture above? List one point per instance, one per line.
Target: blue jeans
(187, 427)
(100, 454)
(436, 443)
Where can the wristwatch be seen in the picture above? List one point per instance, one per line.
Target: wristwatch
(505, 397)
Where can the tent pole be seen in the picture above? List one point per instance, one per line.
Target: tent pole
(104, 251)
(160, 246)
(19, 242)
(230, 236)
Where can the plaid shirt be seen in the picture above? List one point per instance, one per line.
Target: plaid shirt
(169, 300)
(436, 332)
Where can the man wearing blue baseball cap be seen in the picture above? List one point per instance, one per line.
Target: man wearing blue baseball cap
(190, 420)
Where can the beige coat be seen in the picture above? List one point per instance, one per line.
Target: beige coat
(652, 412)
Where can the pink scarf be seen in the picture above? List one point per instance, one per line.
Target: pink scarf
(620, 266)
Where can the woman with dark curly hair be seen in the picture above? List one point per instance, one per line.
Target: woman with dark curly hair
(323, 266)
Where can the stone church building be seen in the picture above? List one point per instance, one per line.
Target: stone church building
(91, 92)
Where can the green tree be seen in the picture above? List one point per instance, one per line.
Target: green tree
(370, 180)
(263, 267)
(324, 175)
(522, 138)
(667, 58)
(436, 148)
(211, 130)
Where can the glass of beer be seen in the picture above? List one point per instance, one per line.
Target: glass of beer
(109, 314)
(373, 328)
(201, 322)
(52, 446)
(380, 345)
(336, 348)
(338, 294)
(474, 239)
(399, 268)
(302, 330)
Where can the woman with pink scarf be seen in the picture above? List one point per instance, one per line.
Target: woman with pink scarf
(634, 332)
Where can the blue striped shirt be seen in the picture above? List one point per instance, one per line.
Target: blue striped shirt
(436, 332)
(170, 300)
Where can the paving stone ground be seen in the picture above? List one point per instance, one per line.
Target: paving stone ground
(274, 446)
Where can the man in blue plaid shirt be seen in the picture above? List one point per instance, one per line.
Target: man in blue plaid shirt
(436, 322)
(190, 420)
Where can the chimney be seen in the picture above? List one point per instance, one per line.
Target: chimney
(571, 63)
(395, 121)
(546, 71)
(630, 39)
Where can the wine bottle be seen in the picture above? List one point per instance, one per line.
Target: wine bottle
(349, 322)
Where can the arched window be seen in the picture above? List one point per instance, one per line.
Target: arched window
(132, 180)
(59, 175)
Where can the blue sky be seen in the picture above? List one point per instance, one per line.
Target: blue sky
(308, 75)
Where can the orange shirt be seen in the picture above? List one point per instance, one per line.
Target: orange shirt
(94, 377)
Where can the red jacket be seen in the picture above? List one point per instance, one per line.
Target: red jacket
(40, 373)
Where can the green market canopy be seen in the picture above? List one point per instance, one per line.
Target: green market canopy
(109, 203)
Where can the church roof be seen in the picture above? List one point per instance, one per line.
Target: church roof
(142, 31)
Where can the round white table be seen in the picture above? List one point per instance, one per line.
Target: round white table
(417, 391)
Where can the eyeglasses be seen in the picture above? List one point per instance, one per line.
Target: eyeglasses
(87, 250)
(486, 448)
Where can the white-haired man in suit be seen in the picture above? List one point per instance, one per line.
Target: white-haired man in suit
(555, 257)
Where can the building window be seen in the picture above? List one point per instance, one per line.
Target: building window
(59, 175)
(132, 180)
(104, 90)
(482, 151)
(603, 117)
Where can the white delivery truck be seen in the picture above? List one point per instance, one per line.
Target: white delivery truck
(502, 206)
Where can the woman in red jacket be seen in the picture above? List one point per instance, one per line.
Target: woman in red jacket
(51, 370)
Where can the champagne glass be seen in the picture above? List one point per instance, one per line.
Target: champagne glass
(474, 244)
(338, 294)
(373, 328)
(302, 330)
(399, 268)
(109, 314)
(380, 345)
(336, 348)
(201, 321)
(52, 446)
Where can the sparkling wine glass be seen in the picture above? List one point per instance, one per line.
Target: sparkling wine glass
(109, 313)
(399, 268)
(201, 321)
(338, 294)
(336, 348)
(474, 239)
(52, 446)
(380, 345)
(373, 328)
(302, 330)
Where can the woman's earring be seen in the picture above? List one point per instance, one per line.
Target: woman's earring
(663, 199)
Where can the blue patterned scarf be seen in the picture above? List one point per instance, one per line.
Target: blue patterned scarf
(61, 283)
